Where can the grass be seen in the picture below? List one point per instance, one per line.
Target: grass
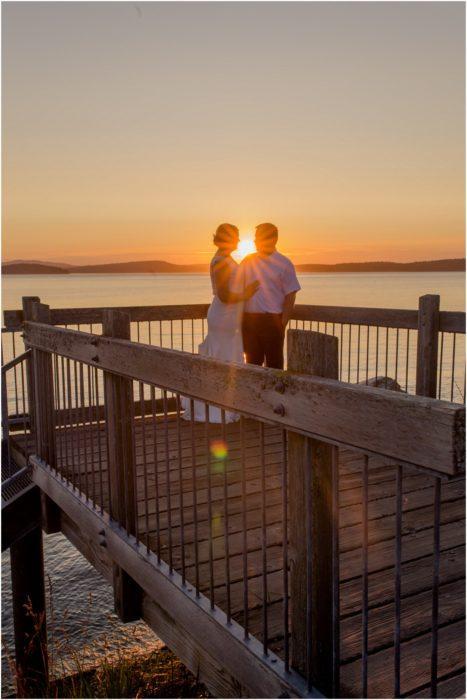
(144, 670)
(133, 675)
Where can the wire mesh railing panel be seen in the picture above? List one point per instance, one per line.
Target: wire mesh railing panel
(80, 429)
(177, 334)
(16, 423)
(366, 352)
(451, 367)
(207, 489)
(211, 500)
(209, 497)
(379, 356)
(12, 345)
(402, 578)
(373, 354)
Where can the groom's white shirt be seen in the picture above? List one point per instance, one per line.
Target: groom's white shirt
(276, 276)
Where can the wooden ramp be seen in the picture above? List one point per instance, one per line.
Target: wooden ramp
(201, 496)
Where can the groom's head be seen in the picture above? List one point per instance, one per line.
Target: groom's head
(266, 238)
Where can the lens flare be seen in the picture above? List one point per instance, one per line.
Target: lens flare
(246, 246)
(219, 449)
(216, 524)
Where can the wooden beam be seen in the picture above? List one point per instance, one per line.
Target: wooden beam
(16, 361)
(119, 405)
(450, 321)
(87, 315)
(184, 642)
(44, 408)
(29, 616)
(427, 345)
(65, 416)
(200, 636)
(312, 468)
(408, 429)
(386, 318)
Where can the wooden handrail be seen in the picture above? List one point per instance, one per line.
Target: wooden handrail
(410, 429)
(86, 315)
(386, 318)
(450, 321)
(15, 361)
(63, 416)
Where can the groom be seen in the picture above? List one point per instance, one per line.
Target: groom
(267, 313)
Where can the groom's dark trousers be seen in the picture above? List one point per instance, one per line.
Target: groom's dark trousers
(263, 339)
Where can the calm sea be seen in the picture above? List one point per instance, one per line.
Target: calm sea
(389, 289)
(78, 592)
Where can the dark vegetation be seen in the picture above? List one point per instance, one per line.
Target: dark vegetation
(143, 670)
(156, 675)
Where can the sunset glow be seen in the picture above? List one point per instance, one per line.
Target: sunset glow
(245, 247)
(117, 148)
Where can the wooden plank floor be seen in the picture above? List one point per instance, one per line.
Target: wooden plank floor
(165, 453)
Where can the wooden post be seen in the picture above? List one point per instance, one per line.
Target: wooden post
(427, 345)
(44, 412)
(27, 316)
(313, 353)
(119, 411)
(5, 427)
(29, 617)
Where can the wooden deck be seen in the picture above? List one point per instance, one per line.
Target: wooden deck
(165, 467)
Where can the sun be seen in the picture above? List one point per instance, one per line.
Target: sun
(245, 247)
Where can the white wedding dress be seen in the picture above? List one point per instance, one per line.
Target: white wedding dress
(223, 342)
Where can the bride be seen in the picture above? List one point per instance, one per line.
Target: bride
(224, 337)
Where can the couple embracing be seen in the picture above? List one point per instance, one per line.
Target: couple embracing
(251, 307)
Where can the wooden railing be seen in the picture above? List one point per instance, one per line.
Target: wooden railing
(372, 342)
(92, 438)
(256, 392)
(450, 321)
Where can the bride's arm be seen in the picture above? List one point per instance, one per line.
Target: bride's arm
(222, 276)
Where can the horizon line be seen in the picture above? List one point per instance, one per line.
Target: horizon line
(31, 261)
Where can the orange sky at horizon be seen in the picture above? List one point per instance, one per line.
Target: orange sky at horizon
(131, 131)
(308, 255)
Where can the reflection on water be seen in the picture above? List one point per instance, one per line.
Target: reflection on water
(396, 290)
(82, 603)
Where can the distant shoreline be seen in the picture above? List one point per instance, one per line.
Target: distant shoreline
(206, 272)
(162, 267)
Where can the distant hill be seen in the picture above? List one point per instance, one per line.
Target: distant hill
(448, 265)
(65, 266)
(139, 266)
(32, 269)
(18, 267)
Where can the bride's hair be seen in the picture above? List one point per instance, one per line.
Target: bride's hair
(225, 233)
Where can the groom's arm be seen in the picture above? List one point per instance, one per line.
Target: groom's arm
(289, 303)
(290, 286)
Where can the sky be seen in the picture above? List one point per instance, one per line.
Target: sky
(131, 130)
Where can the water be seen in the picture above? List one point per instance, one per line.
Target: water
(78, 591)
(389, 289)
